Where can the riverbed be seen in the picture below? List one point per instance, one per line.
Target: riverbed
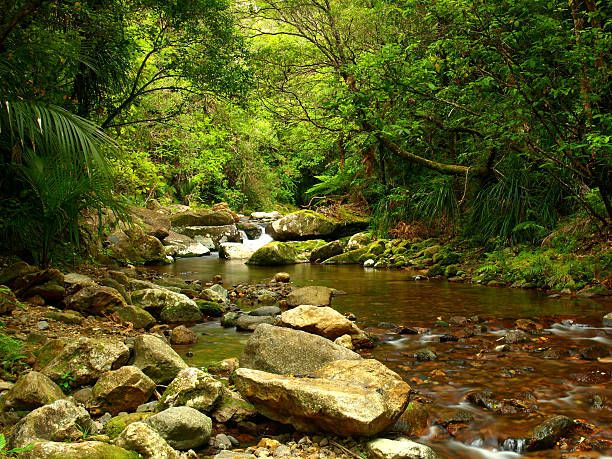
(383, 300)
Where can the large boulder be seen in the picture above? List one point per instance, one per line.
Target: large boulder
(153, 221)
(286, 351)
(235, 251)
(314, 295)
(8, 300)
(32, 390)
(171, 306)
(143, 439)
(193, 388)
(274, 254)
(120, 390)
(303, 224)
(86, 359)
(180, 245)
(383, 448)
(326, 251)
(201, 217)
(82, 450)
(346, 397)
(96, 300)
(60, 421)
(133, 246)
(324, 321)
(157, 359)
(138, 317)
(182, 427)
(212, 236)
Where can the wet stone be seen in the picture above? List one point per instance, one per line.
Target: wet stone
(426, 355)
(594, 352)
(595, 375)
(515, 336)
(448, 338)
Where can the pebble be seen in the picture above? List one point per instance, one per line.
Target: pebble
(43, 325)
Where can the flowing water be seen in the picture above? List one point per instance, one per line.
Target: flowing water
(384, 299)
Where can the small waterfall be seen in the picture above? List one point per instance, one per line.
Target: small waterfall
(254, 244)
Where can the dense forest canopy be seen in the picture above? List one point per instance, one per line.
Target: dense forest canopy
(485, 118)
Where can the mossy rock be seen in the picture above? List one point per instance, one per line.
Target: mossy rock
(435, 270)
(347, 258)
(451, 271)
(81, 450)
(210, 308)
(377, 247)
(48, 352)
(117, 424)
(274, 254)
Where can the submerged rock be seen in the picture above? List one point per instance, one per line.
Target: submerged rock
(286, 351)
(346, 397)
(546, 434)
(326, 322)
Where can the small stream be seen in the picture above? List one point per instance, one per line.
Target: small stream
(383, 299)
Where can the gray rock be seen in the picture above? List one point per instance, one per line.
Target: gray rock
(143, 439)
(229, 319)
(147, 407)
(285, 351)
(215, 234)
(67, 317)
(133, 246)
(32, 390)
(201, 217)
(221, 442)
(249, 323)
(193, 388)
(235, 251)
(313, 295)
(42, 325)
(183, 246)
(157, 359)
(265, 311)
(62, 420)
(402, 448)
(121, 390)
(182, 427)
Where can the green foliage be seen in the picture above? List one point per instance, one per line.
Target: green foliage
(65, 381)
(11, 351)
(12, 451)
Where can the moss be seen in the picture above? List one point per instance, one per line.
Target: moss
(347, 258)
(451, 271)
(435, 270)
(48, 352)
(274, 253)
(117, 424)
(210, 308)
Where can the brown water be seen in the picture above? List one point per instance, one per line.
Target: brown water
(382, 298)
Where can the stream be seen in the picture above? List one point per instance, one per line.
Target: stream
(382, 300)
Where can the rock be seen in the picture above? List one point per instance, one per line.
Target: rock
(212, 236)
(346, 397)
(232, 406)
(286, 351)
(527, 325)
(224, 367)
(358, 241)
(306, 224)
(326, 251)
(593, 375)
(32, 390)
(201, 217)
(121, 390)
(546, 434)
(138, 317)
(143, 439)
(607, 320)
(75, 281)
(326, 322)
(265, 311)
(86, 359)
(515, 336)
(61, 420)
(12, 272)
(235, 251)
(67, 317)
(184, 246)
(249, 323)
(345, 341)
(175, 307)
(383, 448)
(8, 300)
(133, 246)
(83, 450)
(193, 388)
(369, 263)
(183, 335)
(154, 222)
(222, 442)
(426, 355)
(313, 295)
(266, 215)
(233, 455)
(413, 420)
(273, 254)
(96, 300)
(83, 395)
(156, 359)
(48, 283)
(229, 319)
(251, 230)
(182, 427)
(285, 278)
(117, 424)
(594, 352)
(210, 308)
